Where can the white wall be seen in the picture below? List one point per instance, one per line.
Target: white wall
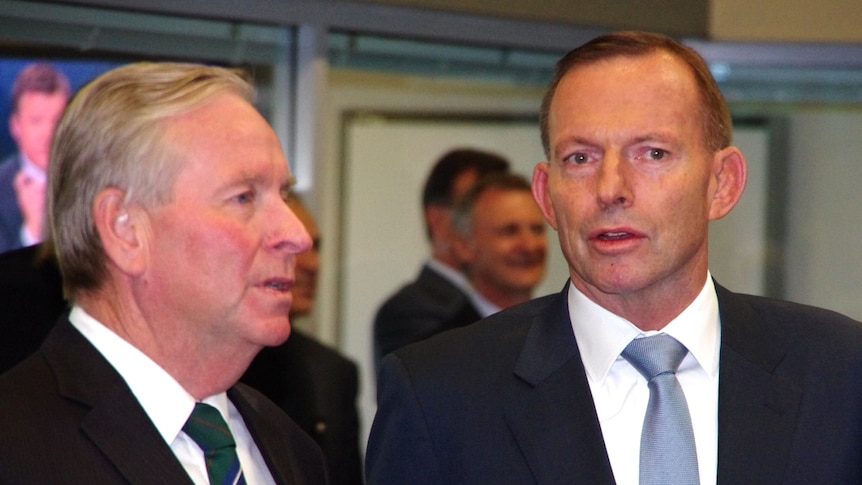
(824, 240)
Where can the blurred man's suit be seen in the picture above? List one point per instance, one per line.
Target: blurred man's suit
(425, 307)
(317, 387)
(31, 299)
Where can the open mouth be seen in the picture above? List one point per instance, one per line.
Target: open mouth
(614, 236)
(277, 285)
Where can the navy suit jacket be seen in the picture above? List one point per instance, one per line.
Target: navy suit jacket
(506, 400)
(10, 214)
(68, 417)
(429, 305)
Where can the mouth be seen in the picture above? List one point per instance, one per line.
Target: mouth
(615, 236)
(278, 285)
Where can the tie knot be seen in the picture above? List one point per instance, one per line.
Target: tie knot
(652, 356)
(209, 430)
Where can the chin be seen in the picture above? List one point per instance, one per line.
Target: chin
(276, 333)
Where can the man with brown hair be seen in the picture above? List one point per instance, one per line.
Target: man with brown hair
(643, 369)
(436, 300)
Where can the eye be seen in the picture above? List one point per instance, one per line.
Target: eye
(578, 158)
(246, 197)
(655, 154)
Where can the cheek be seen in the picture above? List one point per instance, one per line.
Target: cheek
(211, 247)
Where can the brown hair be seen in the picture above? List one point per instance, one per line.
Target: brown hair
(39, 78)
(715, 115)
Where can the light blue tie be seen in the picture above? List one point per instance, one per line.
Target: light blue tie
(668, 455)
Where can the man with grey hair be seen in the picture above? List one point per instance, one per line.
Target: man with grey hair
(500, 236)
(177, 250)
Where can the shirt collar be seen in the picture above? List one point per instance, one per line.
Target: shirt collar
(602, 335)
(164, 400)
(483, 306)
(32, 170)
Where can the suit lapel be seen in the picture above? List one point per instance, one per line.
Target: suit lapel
(114, 420)
(551, 411)
(265, 435)
(751, 398)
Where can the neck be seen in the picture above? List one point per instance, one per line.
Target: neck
(502, 297)
(203, 369)
(651, 308)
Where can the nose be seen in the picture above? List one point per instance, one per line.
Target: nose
(612, 184)
(288, 232)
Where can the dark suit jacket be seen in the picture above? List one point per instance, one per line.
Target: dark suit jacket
(317, 387)
(31, 300)
(429, 305)
(10, 214)
(68, 417)
(313, 384)
(506, 400)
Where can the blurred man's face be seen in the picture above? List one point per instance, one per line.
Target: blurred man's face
(307, 266)
(507, 248)
(32, 126)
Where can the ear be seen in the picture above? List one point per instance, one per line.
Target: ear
(463, 248)
(542, 193)
(437, 218)
(121, 230)
(730, 173)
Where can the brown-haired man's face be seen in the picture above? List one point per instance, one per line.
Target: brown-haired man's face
(630, 182)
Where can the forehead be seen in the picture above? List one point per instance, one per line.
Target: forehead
(504, 203)
(629, 77)
(228, 134)
(626, 90)
(38, 101)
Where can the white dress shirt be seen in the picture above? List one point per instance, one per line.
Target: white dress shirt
(168, 405)
(482, 304)
(620, 392)
(450, 274)
(38, 176)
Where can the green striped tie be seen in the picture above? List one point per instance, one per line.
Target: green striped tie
(209, 430)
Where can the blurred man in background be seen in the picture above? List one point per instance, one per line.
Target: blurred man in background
(314, 384)
(437, 299)
(501, 239)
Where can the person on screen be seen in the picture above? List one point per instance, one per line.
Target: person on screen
(39, 96)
